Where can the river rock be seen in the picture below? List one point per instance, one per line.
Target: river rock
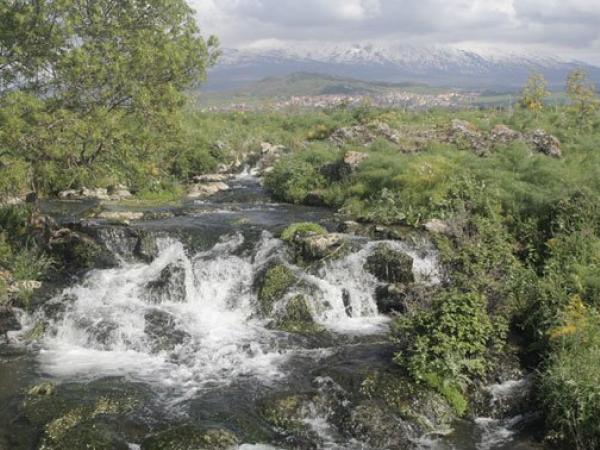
(121, 216)
(316, 246)
(8, 321)
(391, 299)
(24, 286)
(208, 189)
(119, 192)
(546, 143)
(373, 424)
(190, 437)
(169, 286)
(272, 283)
(146, 247)
(162, 330)
(80, 251)
(390, 265)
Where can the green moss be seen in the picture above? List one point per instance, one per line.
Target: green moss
(411, 401)
(302, 229)
(297, 318)
(277, 280)
(284, 412)
(189, 437)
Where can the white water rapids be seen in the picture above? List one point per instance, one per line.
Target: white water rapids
(203, 328)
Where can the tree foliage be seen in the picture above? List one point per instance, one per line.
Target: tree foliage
(534, 93)
(89, 82)
(584, 99)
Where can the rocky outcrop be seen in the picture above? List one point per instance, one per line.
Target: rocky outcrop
(545, 143)
(389, 265)
(467, 136)
(501, 134)
(365, 134)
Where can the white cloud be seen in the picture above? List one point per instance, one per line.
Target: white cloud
(565, 27)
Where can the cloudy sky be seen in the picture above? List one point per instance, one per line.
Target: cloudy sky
(565, 28)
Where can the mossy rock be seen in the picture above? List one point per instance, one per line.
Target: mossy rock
(86, 434)
(189, 437)
(297, 318)
(284, 412)
(411, 401)
(371, 423)
(299, 230)
(390, 266)
(277, 280)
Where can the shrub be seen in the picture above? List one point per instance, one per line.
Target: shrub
(570, 385)
(448, 345)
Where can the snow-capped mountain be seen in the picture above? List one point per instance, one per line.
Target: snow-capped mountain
(435, 65)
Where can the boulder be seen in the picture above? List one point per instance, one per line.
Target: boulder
(97, 193)
(202, 190)
(80, 251)
(189, 437)
(268, 148)
(121, 216)
(546, 143)
(162, 331)
(24, 286)
(354, 159)
(466, 135)
(501, 134)
(119, 192)
(272, 284)
(169, 286)
(319, 246)
(399, 298)
(390, 266)
(436, 226)
(391, 299)
(8, 321)
(146, 247)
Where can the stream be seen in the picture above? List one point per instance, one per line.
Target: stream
(177, 339)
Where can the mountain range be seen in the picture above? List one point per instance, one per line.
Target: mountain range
(433, 65)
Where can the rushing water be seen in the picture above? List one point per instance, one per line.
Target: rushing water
(184, 332)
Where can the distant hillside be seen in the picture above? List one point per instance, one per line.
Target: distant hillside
(304, 84)
(435, 66)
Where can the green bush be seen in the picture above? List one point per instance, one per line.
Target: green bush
(448, 344)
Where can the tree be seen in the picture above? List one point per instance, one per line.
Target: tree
(96, 82)
(534, 93)
(584, 100)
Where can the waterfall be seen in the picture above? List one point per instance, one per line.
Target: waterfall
(189, 321)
